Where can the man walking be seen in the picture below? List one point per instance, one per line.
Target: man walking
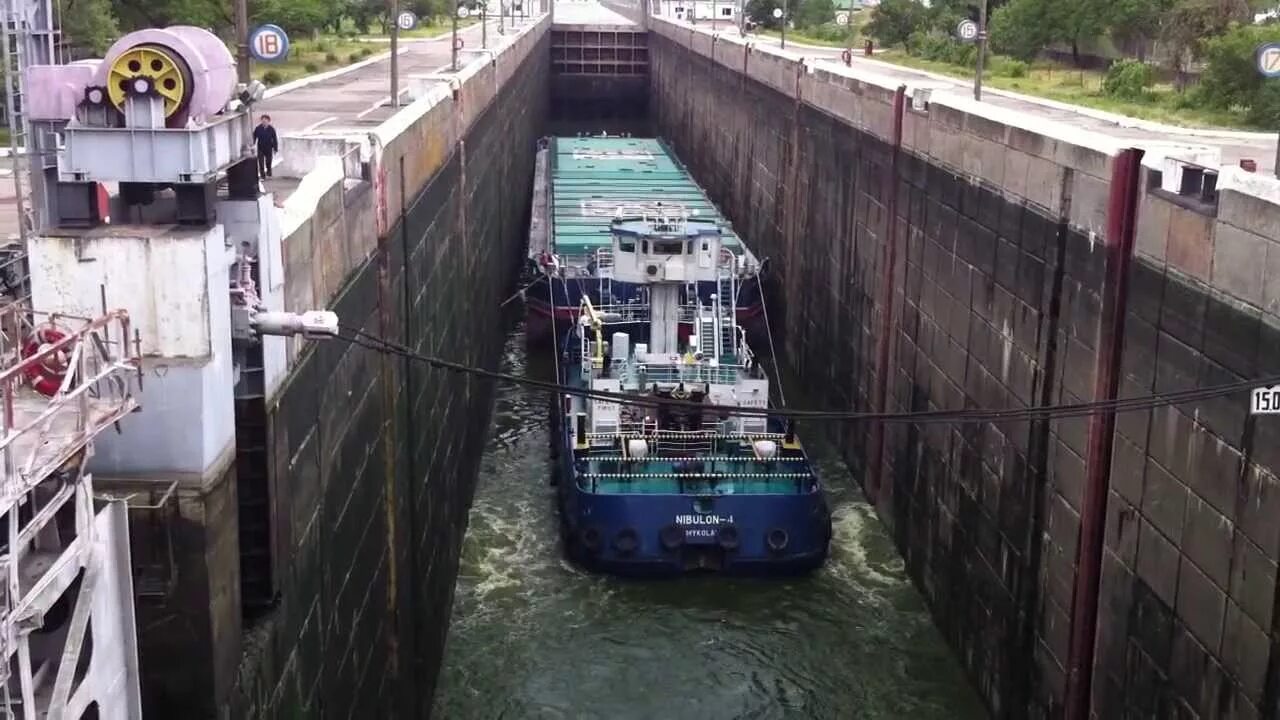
(265, 137)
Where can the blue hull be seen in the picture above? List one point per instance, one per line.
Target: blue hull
(663, 535)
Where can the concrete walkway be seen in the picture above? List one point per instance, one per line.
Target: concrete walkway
(360, 98)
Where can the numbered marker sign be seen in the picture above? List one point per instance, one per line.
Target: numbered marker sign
(842, 18)
(1269, 60)
(967, 30)
(268, 43)
(464, 11)
(1265, 401)
(406, 20)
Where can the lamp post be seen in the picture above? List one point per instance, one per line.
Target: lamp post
(395, 53)
(484, 23)
(982, 50)
(454, 64)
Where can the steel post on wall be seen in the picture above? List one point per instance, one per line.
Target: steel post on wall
(1122, 210)
(884, 340)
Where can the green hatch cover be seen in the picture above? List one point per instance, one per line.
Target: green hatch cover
(592, 177)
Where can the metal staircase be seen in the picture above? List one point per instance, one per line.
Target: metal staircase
(604, 273)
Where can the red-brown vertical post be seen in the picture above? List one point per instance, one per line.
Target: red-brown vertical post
(1122, 210)
(884, 341)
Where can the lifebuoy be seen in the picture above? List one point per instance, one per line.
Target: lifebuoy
(47, 375)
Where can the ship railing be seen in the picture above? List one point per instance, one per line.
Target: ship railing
(710, 481)
(64, 380)
(692, 373)
(637, 431)
(624, 312)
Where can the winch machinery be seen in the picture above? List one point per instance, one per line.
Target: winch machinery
(159, 111)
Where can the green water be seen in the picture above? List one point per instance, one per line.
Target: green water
(533, 637)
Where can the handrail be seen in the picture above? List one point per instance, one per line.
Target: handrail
(42, 429)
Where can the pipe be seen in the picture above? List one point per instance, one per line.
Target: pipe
(884, 342)
(1122, 209)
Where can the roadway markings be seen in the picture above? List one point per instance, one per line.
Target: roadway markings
(315, 125)
(374, 107)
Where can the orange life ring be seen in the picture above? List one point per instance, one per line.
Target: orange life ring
(47, 375)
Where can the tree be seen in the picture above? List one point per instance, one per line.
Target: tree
(135, 14)
(1025, 24)
(893, 21)
(297, 17)
(1138, 21)
(813, 13)
(760, 12)
(1189, 22)
(1230, 76)
(89, 27)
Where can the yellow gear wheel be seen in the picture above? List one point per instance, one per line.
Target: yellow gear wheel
(155, 63)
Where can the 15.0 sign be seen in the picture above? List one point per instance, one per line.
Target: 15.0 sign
(1265, 401)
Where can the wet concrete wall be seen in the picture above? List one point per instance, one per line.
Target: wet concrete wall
(374, 457)
(1009, 283)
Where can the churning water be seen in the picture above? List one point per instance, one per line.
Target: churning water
(534, 637)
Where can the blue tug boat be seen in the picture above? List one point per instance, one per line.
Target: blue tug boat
(670, 489)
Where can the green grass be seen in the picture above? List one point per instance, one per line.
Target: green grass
(427, 28)
(800, 37)
(436, 29)
(1048, 80)
(1084, 87)
(307, 57)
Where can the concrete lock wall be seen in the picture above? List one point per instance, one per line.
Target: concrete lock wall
(1010, 278)
(374, 457)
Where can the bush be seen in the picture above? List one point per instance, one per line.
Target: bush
(272, 77)
(895, 22)
(1008, 67)
(829, 33)
(1128, 79)
(1264, 110)
(1230, 77)
(311, 68)
(354, 58)
(941, 48)
(324, 46)
(366, 52)
(330, 58)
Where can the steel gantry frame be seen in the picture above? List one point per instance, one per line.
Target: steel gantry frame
(67, 627)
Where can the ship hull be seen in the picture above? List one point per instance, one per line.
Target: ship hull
(671, 535)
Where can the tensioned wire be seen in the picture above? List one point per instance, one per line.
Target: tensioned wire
(974, 415)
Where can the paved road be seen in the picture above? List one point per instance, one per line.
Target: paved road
(362, 98)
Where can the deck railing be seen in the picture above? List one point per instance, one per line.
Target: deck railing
(63, 380)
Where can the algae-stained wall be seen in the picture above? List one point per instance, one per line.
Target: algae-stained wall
(812, 194)
(999, 300)
(375, 456)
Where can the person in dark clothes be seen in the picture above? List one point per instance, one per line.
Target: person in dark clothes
(265, 137)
